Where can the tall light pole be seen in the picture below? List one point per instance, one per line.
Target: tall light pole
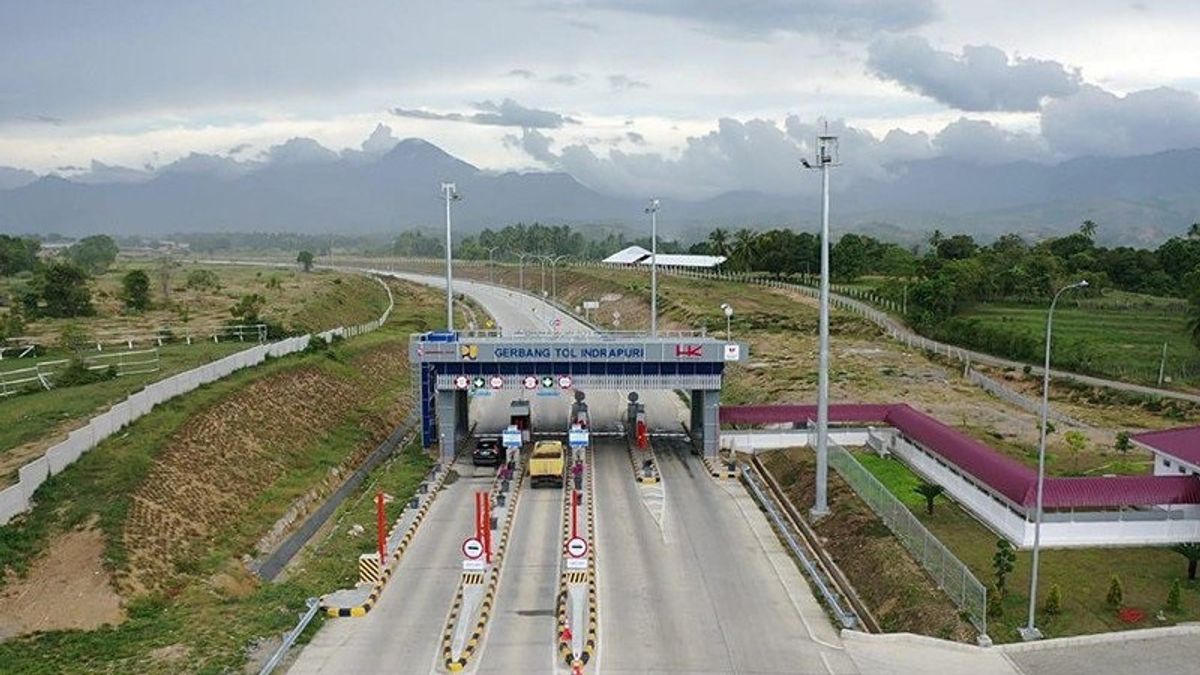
(554, 260)
(827, 150)
(725, 307)
(652, 209)
(521, 262)
(492, 265)
(450, 194)
(1030, 631)
(542, 259)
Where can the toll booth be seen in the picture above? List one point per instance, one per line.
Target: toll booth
(521, 417)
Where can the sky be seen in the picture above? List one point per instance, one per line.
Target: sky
(683, 98)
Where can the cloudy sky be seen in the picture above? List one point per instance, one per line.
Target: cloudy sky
(682, 98)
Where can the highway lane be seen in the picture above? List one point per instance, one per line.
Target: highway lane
(704, 595)
(403, 632)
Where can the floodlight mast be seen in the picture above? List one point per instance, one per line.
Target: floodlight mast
(652, 209)
(449, 194)
(826, 158)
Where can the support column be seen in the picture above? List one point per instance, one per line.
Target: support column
(464, 413)
(447, 424)
(697, 424)
(711, 404)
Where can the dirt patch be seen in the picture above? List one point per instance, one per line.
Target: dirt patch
(67, 588)
(899, 593)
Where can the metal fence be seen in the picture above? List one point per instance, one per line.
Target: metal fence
(999, 390)
(43, 373)
(950, 574)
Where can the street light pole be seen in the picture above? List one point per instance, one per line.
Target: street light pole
(826, 158)
(450, 194)
(521, 269)
(725, 307)
(554, 260)
(1030, 631)
(492, 265)
(652, 209)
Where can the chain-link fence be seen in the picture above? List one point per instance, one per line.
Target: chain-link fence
(950, 574)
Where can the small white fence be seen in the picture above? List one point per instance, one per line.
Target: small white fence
(43, 373)
(17, 499)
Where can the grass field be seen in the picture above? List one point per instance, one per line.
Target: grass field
(1122, 342)
(245, 445)
(1081, 574)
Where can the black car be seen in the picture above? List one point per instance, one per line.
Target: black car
(487, 452)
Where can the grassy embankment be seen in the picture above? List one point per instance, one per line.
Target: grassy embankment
(187, 492)
(781, 331)
(31, 422)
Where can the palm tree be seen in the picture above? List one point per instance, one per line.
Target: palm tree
(1191, 551)
(1194, 231)
(930, 491)
(718, 241)
(745, 248)
(1088, 228)
(935, 238)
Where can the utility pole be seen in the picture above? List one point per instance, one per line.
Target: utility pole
(491, 265)
(827, 151)
(1162, 365)
(652, 209)
(450, 194)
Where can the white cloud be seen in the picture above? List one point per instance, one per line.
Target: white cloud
(1098, 122)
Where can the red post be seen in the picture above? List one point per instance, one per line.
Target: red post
(381, 517)
(487, 526)
(574, 515)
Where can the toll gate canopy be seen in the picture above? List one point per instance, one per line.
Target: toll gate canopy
(450, 365)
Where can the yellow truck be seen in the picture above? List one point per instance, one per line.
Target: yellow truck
(546, 464)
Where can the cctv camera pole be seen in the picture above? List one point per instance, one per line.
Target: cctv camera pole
(826, 150)
(449, 194)
(652, 209)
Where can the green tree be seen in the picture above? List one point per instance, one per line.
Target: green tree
(1116, 592)
(957, 247)
(1123, 445)
(65, 292)
(1175, 597)
(1194, 231)
(17, 254)
(306, 260)
(1002, 564)
(1191, 551)
(135, 291)
(247, 309)
(1088, 229)
(1076, 442)
(1053, 604)
(203, 280)
(930, 491)
(718, 241)
(94, 254)
(72, 337)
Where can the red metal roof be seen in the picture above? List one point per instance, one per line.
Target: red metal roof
(1007, 476)
(1182, 443)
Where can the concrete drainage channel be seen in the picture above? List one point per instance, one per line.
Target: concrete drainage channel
(835, 590)
(476, 594)
(578, 605)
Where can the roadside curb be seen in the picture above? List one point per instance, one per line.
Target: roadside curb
(493, 581)
(1181, 630)
(377, 588)
(718, 469)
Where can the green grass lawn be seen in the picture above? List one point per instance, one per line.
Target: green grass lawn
(1122, 342)
(1081, 574)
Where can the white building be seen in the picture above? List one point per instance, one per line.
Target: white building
(636, 255)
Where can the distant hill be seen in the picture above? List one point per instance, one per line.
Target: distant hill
(1138, 200)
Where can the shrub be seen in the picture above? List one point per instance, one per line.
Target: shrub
(1116, 592)
(77, 373)
(72, 337)
(1002, 563)
(1053, 605)
(995, 600)
(203, 280)
(1174, 597)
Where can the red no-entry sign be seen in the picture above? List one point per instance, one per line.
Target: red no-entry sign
(577, 547)
(472, 549)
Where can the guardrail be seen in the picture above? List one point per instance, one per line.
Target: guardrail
(290, 638)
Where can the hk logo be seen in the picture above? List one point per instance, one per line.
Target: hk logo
(688, 351)
(470, 352)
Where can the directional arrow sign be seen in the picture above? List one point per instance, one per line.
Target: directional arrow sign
(547, 381)
(577, 547)
(478, 382)
(472, 548)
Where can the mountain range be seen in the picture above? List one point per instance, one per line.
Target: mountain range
(1139, 200)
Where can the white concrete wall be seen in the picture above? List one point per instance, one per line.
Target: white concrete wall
(776, 439)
